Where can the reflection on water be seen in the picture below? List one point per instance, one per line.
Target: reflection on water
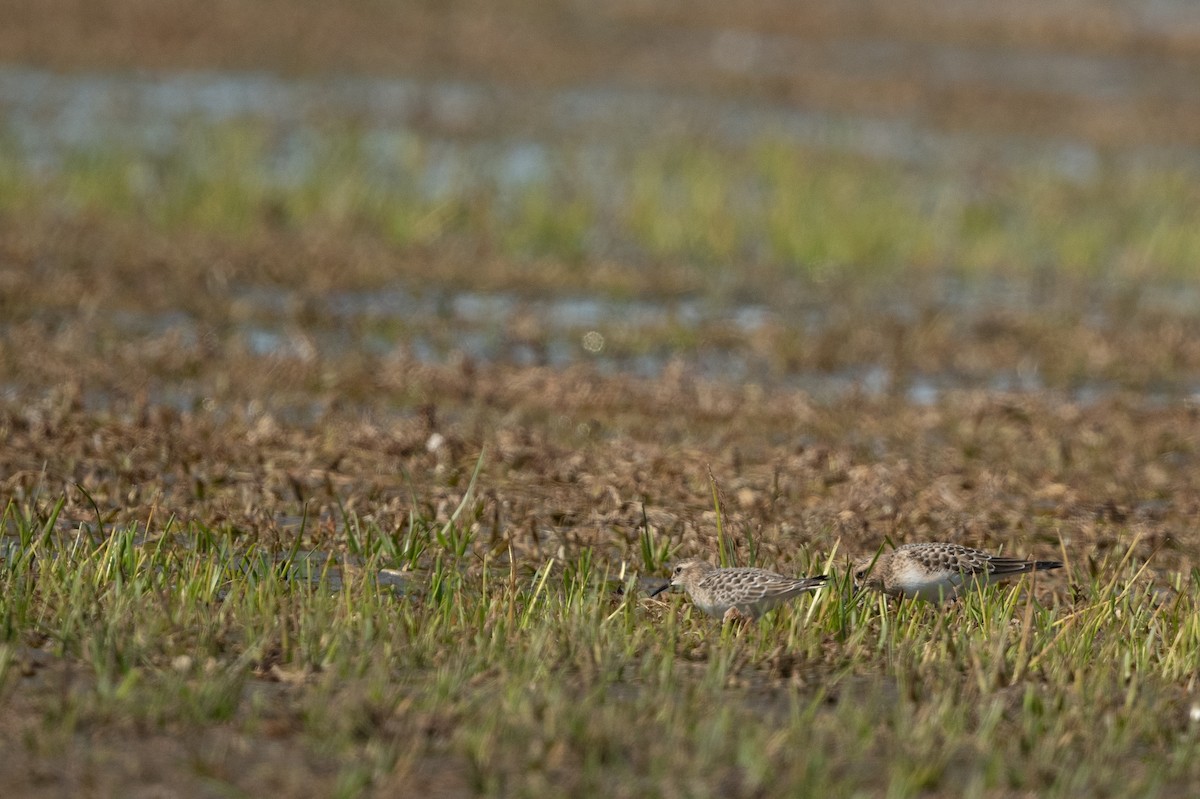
(439, 326)
(500, 134)
(509, 137)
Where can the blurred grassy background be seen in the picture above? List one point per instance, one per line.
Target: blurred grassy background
(975, 65)
(771, 207)
(1030, 136)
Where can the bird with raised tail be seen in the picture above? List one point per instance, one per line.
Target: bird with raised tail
(937, 572)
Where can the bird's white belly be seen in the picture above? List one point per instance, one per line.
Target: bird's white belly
(714, 607)
(929, 587)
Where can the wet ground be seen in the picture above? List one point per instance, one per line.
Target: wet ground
(1110, 73)
(286, 380)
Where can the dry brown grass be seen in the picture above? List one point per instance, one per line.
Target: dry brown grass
(578, 465)
(572, 451)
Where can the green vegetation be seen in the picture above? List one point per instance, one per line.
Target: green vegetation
(771, 206)
(247, 538)
(249, 546)
(555, 678)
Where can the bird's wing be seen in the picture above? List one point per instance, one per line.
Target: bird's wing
(998, 565)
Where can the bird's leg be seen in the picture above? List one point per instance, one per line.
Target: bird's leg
(736, 616)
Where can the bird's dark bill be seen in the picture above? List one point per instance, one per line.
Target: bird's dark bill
(658, 591)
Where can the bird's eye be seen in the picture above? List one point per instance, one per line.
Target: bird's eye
(679, 570)
(861, 573)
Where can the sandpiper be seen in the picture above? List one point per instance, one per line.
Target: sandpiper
(741, 592)
(936, 572)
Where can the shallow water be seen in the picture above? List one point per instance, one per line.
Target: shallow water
(438, 326)
(512, 137)
(507, 135)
